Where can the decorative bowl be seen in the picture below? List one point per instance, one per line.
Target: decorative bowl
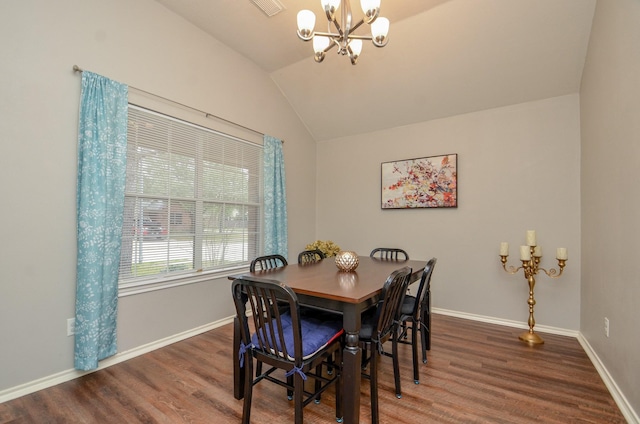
(347, 260)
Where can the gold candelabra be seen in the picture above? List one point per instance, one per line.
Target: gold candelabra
(530, 256)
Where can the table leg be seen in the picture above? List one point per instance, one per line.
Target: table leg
(351, 363)
(238, 373)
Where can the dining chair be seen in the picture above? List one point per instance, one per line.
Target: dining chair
(286, 341)
(267, 262)
(310, 256)
(380, 324)
(389, 253)
(416, 311)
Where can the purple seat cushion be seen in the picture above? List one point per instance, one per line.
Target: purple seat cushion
(316, 334)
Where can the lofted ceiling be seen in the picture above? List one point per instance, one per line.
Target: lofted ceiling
(444, 57)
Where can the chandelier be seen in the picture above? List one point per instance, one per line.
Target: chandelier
(344, 39)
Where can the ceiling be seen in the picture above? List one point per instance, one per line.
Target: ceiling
(444, 57)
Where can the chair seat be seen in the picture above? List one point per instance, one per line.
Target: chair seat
(316, 334)
(408, 304)
(367, 325)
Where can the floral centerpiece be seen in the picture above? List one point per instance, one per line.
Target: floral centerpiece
(328, 247)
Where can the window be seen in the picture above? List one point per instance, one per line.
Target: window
(192, 200)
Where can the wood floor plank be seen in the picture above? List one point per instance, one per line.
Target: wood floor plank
(476, 373)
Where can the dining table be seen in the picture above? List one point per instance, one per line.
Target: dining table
(322, 285)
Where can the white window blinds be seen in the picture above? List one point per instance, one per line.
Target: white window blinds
(192, 200)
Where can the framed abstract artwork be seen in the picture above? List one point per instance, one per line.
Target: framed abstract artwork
(428, 182)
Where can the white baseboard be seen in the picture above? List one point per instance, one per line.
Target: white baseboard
(625, 408)
(627, 411)
(63, 376)
(506, 322)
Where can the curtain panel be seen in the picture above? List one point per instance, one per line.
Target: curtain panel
(275, 198)
(102, 149)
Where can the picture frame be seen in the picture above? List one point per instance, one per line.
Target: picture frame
(426, 182)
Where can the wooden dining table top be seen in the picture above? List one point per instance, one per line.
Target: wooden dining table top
(324, 280)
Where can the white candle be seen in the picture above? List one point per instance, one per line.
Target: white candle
(504, 249)
(561, 253)
(531, 238)
(537, 252)
(525, 253)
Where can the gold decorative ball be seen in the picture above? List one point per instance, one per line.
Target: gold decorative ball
(347, 260)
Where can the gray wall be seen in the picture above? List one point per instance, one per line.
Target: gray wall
(518, 169)
(142, 44)
(610, 117)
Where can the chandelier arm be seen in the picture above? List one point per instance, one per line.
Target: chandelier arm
(331, 45)
(303, 38)
(360, 37)
(369, 19)
(338, 27)
(380, 44)
(346, 17)
(330, 16)
(356, 26)
(329, 34)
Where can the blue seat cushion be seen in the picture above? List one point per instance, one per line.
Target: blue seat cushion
(316, 334)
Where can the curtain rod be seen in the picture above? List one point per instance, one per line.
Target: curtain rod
(76, 68)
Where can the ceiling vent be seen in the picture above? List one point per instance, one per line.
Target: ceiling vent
(269, 7)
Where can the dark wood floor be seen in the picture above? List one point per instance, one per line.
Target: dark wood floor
(477, 373)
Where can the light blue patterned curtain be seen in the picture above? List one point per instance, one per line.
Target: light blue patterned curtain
(102, 158)
(275, 198)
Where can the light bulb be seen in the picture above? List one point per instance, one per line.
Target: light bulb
(370, 8)
(320, 43)
(379, 31)
(355, 46)
(306, 23)
(330, 6)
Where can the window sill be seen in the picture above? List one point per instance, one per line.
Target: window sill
(139, 287)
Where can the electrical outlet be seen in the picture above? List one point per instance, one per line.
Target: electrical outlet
(606, 326)
(71, 326)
